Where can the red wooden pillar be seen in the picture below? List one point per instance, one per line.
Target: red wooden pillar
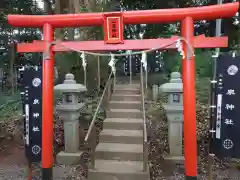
(189, 101)
(47, 105)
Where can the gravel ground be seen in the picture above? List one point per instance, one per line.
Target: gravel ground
(158, 147)
(13, 165)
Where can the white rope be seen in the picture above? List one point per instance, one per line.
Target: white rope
(144, 64)
(84, 61)
(234, 54)
(112, 64)
(129, 52)
(144, 61)
(180, 48)
(189, 55)
(216, 54)
(84, 65)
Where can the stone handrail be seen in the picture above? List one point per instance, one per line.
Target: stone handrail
(95, 117)
(145, 146)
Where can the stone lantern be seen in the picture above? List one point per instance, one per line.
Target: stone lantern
(69, 112)
(174, 111)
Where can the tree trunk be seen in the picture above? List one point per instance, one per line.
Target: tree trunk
(71, 9)
(59, 33)
(90, 4)
(48, 7)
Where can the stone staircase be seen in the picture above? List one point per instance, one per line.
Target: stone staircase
(119, 154)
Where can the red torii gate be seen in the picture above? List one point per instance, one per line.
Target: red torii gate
(187, 16)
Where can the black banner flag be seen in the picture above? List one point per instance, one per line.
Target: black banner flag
(31, 91)
(225, 121)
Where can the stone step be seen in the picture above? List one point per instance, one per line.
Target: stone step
(127, 88)
(126, 97)
(117, 170)
(124, 113)
(125, 104)
(121, 136)
(126, 91)
(134, 86)
(123, 124)
(117, 151)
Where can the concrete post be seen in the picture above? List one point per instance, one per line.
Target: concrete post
(174, 110)
(155, 92)
(68, 111)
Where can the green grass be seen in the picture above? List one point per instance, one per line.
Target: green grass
(202, 86)
(203, 90)
(10, 105)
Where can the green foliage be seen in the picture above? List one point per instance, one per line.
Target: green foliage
(84, 9)
(157, 79)
(203, 63)
(71, 62)
(90, 108)
(203, 89)
(10, 106)
(8, 98)
(172, 61)
(66, 60)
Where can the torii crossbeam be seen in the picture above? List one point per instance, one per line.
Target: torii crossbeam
(199, 42)
(114, 35)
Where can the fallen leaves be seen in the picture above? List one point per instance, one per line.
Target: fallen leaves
(158, 145)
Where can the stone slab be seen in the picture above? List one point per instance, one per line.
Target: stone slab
(118, 166)
(119, 151)
(174, 159)
(125, 113)
(126, 97)
(118, 170)
(69, 158)
(127, 91)
(123, 124)
(125, 105)
(121, 136)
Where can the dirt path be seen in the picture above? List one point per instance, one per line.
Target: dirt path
(13, 163)
(13, 166)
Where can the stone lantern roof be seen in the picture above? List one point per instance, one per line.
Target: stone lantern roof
(69, 85)
(175, 84)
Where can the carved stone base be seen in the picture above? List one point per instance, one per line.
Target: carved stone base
(69, 158)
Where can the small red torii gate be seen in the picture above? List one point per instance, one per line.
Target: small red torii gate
(186, 16)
